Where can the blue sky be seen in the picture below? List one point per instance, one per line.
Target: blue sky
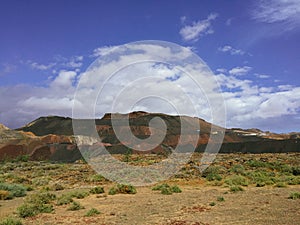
(252, 46)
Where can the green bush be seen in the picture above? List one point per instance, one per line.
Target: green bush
(96, 178)
(79, 194)
(280, 184)
(238, 169)
(176, 189)
(294, 195)
(220, 199)
(29, 209)
(92, 212)
(75, 206)
(11, 221)
(167, 189)
(97, 190)
(64, 199)
(212, 173)
(123, 189)
(236, 188)
(15, 190)
(35, 204)
(236, 180)
(212, 204)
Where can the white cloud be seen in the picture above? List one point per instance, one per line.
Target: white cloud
(248, 104)
(228, 21)
(198, 28)
(60, 63)
(238, 71)
(221, 70)
(262, 76)
(37, 66)
(231, 50)
(286, 12)
(102, 50)
(65, 79)
(264, 107)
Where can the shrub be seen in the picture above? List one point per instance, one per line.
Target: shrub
(167, 189)
(296, 171)
(256, 163)
(35, 204)
(176, 189)
(262, 178)
(294, 195)
(64, 199)
(79, 194)
(238, 169)
(75, 206)
(236, 188)
(97, 190)
(236, 180)
(280, 184)
(15, 190)
(112, 191)
(41, 198)
(212, 173)
(220, 199)
(212, 204)
(122, 188)
(96, 178)
(92, 212)
(11, 221)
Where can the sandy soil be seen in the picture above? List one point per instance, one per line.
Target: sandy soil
(266, 205)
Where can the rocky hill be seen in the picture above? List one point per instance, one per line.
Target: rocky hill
(52, 137)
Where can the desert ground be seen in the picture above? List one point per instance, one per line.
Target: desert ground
(235, 189)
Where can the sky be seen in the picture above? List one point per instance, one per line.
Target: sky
(251, 47)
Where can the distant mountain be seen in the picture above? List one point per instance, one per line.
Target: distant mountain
(52, 137)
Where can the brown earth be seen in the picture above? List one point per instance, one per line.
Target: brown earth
(255, 205)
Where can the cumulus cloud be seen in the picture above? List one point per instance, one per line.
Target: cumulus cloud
(238, 71)
(249, 105)
(262, 76)
(231, 50)
(102, 50)
(155, 87)
(58, 64)
(198, 28)
(37, 66)
(285, 12)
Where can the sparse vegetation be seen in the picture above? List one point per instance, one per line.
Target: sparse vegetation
(212, 204)
(9, 191)
(75, 206)
(294, 195)
(220, 199)
(122, 189)
(167, 189)
(79, 194)
(92, 212)
(11, 221)
(97, 190)
(236, 180)
(212, 173)
(35, 204)
(236, 188)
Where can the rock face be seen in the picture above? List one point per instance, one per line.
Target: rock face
(52, 137)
